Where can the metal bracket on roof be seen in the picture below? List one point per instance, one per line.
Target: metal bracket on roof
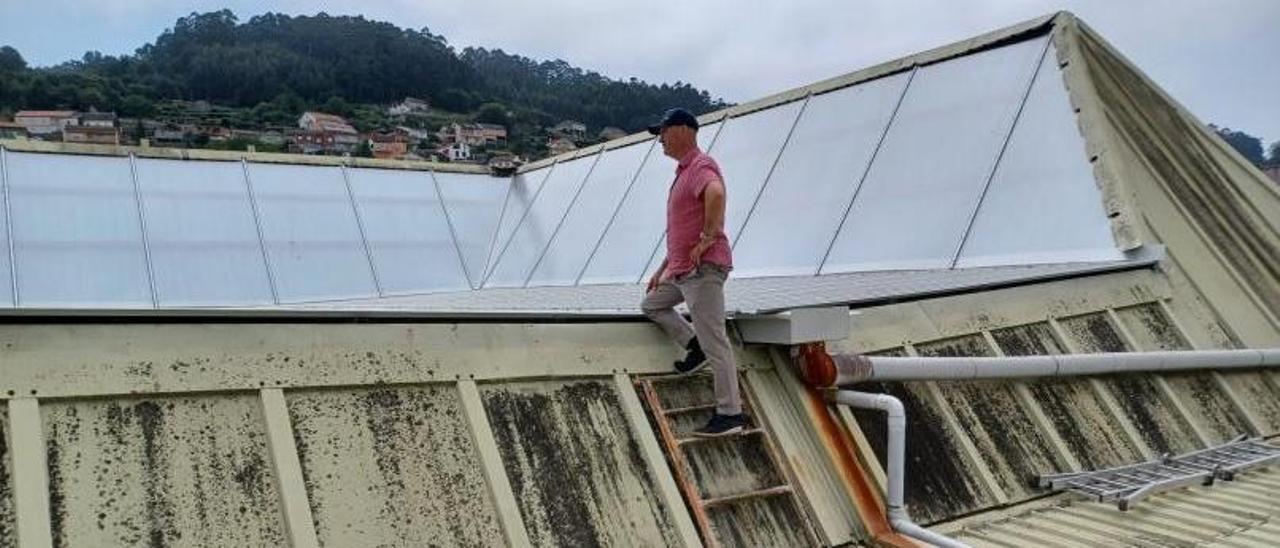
(800, 325)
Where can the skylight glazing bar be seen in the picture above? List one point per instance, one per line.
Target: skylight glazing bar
(995, 165)
(364, 240)
(257, 226)
(551, 239)
(652, 144)
(8, 223)
(453, 233)
(493, 238)
(756, 200)
(515, 229)
(658, 245)
(863, 178)
(142, 226)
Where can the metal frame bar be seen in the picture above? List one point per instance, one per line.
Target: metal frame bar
(298, 521)
(995, 165)
(634, 177)
(453, 233)
(30, 475)
(8, 223)
(498, 258)
(572, 202)
(257, 225)
(495, 474)
(772, 167)
(857, 189)
(364, 239)
(142, 229)
(493, 238)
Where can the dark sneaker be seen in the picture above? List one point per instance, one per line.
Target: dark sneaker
(722, 425)
(694, 361)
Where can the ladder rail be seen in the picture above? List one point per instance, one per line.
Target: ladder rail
(676, 454)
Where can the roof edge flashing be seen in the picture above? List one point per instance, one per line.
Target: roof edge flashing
(797, 326)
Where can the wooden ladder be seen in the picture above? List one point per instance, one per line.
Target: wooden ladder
(675, 444)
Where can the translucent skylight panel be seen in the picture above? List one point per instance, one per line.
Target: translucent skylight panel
(913, 208)
(1043, 204)
(800, 208)
(76, 232)
(585, 222)
(526, 244)
(474, 203)
(200, 229)
(629, 242)
(524, 188)
(311, 234)
(745, 150)
(408, 235)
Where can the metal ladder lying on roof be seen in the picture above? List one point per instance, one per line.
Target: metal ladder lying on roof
(1126, 485)
(696, 482)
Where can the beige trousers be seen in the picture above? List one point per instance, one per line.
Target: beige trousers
(703, 290)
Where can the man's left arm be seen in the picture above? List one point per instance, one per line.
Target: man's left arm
(712, 218)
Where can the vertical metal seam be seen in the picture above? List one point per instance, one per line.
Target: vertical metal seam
(257, 225)
(295, 504)
(995, 166)
(1022, 392)
(769, 175)
(453, 234)
(364, 239)
(862, 179)
(556, 231)
(505, 504)
(658, 244)
(142, 228)
(8, 224)
(498, 258)
(617, 209)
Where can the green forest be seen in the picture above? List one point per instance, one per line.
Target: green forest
(273, 66)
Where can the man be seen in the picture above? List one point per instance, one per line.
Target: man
(697, 264)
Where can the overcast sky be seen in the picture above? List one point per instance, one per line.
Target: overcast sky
(1221, 58)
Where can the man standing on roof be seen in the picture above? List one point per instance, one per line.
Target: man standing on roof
(697, 265)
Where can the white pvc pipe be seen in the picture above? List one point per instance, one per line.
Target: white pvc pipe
(851, 368)
(896, 456)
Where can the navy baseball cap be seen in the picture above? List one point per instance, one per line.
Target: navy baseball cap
(675, 117)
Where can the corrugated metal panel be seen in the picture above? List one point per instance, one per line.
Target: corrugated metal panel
(941, 483)
(163, 471)
(1259, 394)
(574, 466)
(1008, 440)
(1209, 405)
(1154, 416)
(1240, 513)
(8, 536)
(392, 466)
(1078, 414)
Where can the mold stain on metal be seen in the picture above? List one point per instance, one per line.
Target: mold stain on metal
(573, 465)
(7, 536)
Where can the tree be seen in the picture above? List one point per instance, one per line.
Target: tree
(11, 60)
(493, 113)
(136, 106)
(1247, 145)
(336, 105)
(1273, 159)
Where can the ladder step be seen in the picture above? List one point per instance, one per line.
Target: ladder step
(689, 409)
(730, 499)
(697, 439)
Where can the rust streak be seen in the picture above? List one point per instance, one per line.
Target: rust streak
(838, 440)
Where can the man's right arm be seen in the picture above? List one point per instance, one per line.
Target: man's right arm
(657, 276)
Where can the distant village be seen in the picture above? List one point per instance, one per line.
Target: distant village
(316, 133)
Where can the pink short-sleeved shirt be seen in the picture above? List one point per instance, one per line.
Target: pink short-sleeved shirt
(685, 213)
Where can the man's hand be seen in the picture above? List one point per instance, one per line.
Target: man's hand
(654, 281)
(695, 254)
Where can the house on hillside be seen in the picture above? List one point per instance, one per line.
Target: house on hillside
(326, 134)
(473, 134)
(573, 130)
(1274, 173)
(560, 145)
(410, 105)
(455, 152)
(94, 118)
(94, 135)
(44, 123)
(13, 130)
(390, 145)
